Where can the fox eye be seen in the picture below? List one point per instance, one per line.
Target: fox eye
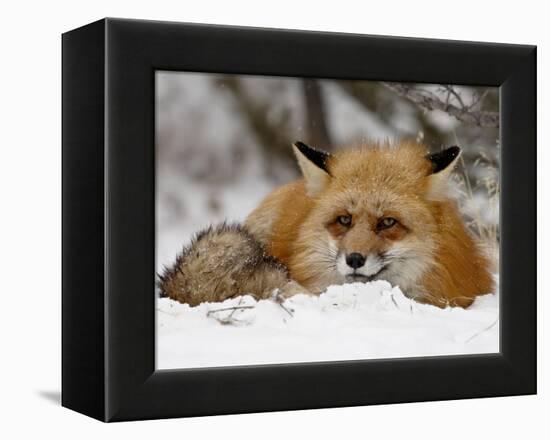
(344, 220)
(385, 223)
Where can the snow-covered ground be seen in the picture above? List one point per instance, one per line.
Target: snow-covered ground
(349, 322)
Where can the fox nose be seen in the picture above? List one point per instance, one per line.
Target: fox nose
(355, 260)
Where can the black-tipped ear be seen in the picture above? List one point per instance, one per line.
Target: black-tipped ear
(443, 159)
(314, 166)
(317, 157)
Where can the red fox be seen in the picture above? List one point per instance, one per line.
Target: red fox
(379, 211)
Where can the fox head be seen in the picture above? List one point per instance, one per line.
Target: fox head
(375, 213)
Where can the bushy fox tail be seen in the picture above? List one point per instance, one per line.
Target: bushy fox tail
(222, 262)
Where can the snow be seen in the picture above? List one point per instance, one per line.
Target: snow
(349, 322)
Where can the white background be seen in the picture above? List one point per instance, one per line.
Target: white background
(30, 242)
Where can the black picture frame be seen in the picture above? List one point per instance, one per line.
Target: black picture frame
(109, 220)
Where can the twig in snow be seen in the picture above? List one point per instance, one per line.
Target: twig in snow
(225, 309)
(475, 335)
(289, 311)
(278, 299)
(394, 301)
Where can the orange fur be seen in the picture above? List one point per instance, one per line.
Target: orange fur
(429, 253)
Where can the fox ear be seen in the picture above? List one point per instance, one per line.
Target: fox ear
(441, 161)
(313, 164)
(443, 164)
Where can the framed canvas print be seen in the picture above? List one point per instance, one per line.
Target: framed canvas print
(261, 219)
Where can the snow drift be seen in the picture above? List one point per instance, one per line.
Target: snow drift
(348, 322)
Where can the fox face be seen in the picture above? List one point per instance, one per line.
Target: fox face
(380, 212)
(368, 234)
(378, 240)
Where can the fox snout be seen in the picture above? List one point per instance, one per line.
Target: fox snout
(356, 266)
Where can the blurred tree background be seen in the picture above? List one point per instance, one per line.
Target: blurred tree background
(226, 140)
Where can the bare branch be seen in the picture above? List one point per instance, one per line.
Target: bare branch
(380, 107)
(229, 319)
(430, 101)
(453, 92)
(489, 327)
(479, 98)
(279, 299)
(225, 309)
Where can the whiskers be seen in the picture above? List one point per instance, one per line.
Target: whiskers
(393, 256)
(405, 267)
(325, 254)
